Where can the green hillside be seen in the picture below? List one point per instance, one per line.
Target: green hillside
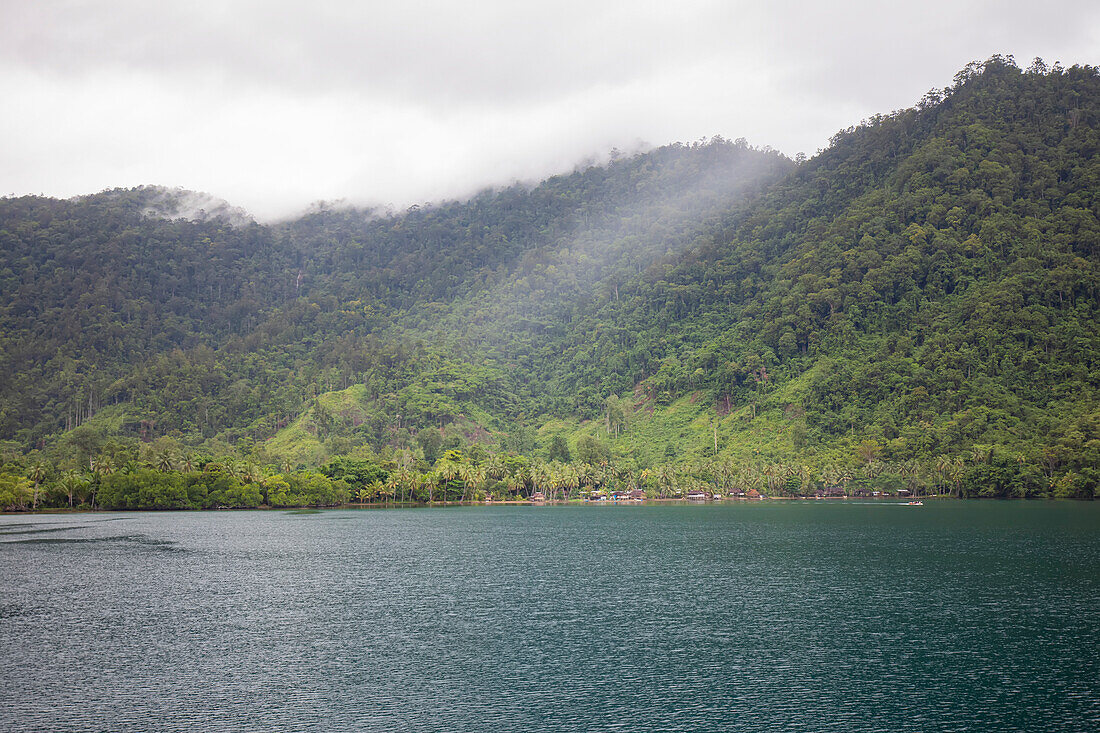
(922, 294)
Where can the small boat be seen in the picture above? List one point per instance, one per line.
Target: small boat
(914, 503)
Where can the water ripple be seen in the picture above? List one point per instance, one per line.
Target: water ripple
(966, 616)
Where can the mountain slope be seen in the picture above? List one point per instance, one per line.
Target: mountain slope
(212, 327)
(934, 273)
(924, 288)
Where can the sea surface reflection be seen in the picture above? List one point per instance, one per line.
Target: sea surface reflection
(954, 616)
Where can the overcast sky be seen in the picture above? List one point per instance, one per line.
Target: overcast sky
(273, 105)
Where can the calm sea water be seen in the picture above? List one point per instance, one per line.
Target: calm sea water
(813, 616)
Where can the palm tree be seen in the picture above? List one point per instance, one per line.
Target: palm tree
(773, 473)
(572, 478)
(605, 475)
(70, 481)
(540, 476)
(666, 480)
(466, 475)
(251, 472)
(943, 467)
(37, 475)
(845, 477)
(515, 482)
(428, 479)
(584, 474)
(911, 470)
(165, 460)
(748, 477)
(100, 466)
(957, 467)
(396, 481)
(728, 475)
(495, 468)
(447, 472)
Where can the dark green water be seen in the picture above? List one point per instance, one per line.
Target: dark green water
(812, 616)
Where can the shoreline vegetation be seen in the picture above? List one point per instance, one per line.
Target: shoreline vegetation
(130, 478)
(885, 500)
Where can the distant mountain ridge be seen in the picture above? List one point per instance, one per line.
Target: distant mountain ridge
(926, 285)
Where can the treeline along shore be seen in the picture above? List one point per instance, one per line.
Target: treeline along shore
(146, 479)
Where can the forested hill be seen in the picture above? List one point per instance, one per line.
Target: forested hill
(931, 276)
(219, 327)
(926, 287)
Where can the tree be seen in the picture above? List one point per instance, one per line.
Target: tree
(868, 451)
(430, 442)
(165, 461)
(37, 475)
(591, 450)
(615, 412)
(559, 449)
(71, 482)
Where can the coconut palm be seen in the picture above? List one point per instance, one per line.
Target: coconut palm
(37, 475)
(495, 468)
(71, 482)
(958, 466)
(398, 480)
(429, 479)
(942, 468)
(446, 472)
(773, 473)
(666, 480)
(165, 460)
(479, 478)
(911, 471)
(534, 476)
(728, 475)
(98, 465)
(250, 472)
(571, 478)
(747, 477)
(469, 476)
(515, 482)
(584, 474)
(845, 478)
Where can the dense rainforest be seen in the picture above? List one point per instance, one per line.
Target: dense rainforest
(915, 308)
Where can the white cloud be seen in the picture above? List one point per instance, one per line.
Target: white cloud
(272, 106)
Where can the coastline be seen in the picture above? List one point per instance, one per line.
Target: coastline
(509, 502)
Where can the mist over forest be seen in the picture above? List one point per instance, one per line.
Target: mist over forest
(914, 307)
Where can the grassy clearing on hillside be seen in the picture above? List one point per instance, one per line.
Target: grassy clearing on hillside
(301, 440)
